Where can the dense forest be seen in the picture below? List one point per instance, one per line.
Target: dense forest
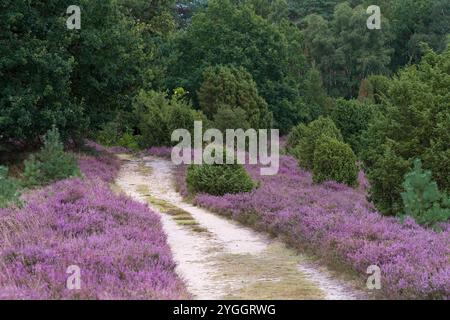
(350, 101)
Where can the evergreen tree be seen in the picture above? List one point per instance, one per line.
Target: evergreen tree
(51, 163)
(226, 33)
(414, 123)
(230, 87)
(422, 199)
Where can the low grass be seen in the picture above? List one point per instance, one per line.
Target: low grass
(144, 170)
(176, 212)
(180, 216)
(125, 157)
(189, 223)
(273, 274)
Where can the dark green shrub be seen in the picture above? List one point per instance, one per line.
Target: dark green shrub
(230, 118)
(414, 123)
(109, 135)
(231, 87)
(218, 179)
(9, 189)
(128, 141)
(149, 111)
(51, 163)
(383, 175)
(297, 133)
(422, 199)
(334, 160)
(113, 135)
(303, 138)
(352, 118)
(181, 115)
(157, 116)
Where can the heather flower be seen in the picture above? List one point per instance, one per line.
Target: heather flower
(341, 227)
(163, 152)
(118, 244)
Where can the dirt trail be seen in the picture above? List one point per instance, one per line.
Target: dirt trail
(221, 259)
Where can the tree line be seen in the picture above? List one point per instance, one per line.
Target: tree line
(139, 68)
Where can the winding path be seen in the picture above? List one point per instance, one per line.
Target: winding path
(219, 258)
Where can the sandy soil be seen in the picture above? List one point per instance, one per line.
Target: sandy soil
(219, 258)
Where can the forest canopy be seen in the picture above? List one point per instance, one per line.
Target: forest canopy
(137, 68)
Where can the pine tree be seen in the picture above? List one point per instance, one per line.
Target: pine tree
(422, 198)
(51, 163)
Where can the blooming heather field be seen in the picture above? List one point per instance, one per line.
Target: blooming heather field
(117, 243)
(338, 225)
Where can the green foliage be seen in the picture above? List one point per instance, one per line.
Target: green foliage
(366, 92)
(415, 124)
(345, 50)
(112, 134)
(157, 117)
(385, 175)
(352, 118)
(319, 147)
(128, 141)
(231, 87)
(226, 33)
(303, 139)
(297, 134)
(272, 10)
(155, 23)
(334, 160)
(35, 72)
(32, 172)
(73, 78)
(218, 179)
(231, 118)
(315, 95)
(106, 79)
(187, 9)
(109, 135)
(415, 22)
(377, 88)
(408, 22)
(150, 110)
(298, 10)
(9, 189)
(150, 12)
(51, 163)
(422, 199)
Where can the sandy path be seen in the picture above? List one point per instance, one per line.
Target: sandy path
(219, 258)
